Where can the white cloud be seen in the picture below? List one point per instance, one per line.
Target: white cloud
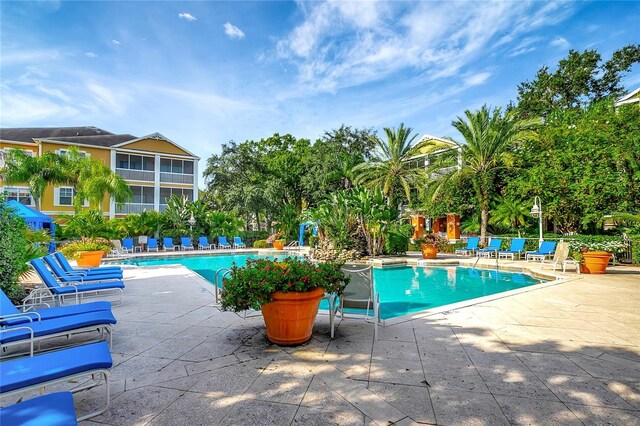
(560, 42)
(346, 44)
(114, 41)
(19, 109)
(187, 16)
(21, 56)
(232, 31)
(477, 79)
(91, 55)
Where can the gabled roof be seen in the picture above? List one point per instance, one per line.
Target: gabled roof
(97, 140)
(27, 134)
(157, 136)
(629, 98)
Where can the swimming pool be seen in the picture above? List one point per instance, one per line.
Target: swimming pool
(403, 290)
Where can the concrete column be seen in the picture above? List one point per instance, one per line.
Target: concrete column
(112, 202)
(195, 180)
(156, 184)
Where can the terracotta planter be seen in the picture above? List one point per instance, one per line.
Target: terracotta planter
(290, 316)
(596, 261)
(429, 251)
(278, 245)
(90, 259)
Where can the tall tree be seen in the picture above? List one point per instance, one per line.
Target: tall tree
(580, 79)
(92, 180)
(489, 141)
(391, 169)
(38, 172)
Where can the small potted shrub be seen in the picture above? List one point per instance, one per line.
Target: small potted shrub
(595, 256)
(274, 239)
(430, 244)
(287, 291)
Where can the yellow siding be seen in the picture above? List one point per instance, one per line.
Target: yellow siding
(104, 155)
(26, 146)
(155, 146)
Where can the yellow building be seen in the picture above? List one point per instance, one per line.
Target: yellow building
(154, 166)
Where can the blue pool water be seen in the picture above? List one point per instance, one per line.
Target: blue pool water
(402, 290)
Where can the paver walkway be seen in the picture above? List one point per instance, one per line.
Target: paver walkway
(563, 354)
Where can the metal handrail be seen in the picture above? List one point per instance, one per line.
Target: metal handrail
(217, 281)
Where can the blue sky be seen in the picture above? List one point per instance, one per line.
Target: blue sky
(203, 73)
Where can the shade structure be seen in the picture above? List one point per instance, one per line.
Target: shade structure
(35, 219)
(303, 227)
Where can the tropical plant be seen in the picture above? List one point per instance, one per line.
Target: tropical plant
(490, 139)
(13, 251)
(288, 221)
(397, 240)
(334, 219)
(38, 171)
(391, 169)
(223, 223)
(373, 217)
(85, 223)
(260, 244)
(510, 214)
(251, 286)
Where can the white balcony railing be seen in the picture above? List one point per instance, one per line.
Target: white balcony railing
(133, 208)
(141, 175)
(175, 178)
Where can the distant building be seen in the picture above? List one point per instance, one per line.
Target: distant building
(631, 98)
(154, 166)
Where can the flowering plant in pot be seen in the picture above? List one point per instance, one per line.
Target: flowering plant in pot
(430, 244)
(287, 291)
(594, 256)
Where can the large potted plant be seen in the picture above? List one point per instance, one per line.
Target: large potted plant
(595, 256)
(430, 244)
(287, 291)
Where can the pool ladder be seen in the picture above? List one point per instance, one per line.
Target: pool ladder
(478, 260)
(218, 282)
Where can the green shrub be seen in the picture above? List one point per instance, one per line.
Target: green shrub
(635, 248)
(84, 224)
(72, 250)
(250, 237)
(313, 241)
(13, 252)
(397, 241)
(260, 244)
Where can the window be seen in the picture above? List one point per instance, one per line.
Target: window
(166, 193)
(135, 162)
(176, 166)
(19, 194)
(65, 196)
(142, 194)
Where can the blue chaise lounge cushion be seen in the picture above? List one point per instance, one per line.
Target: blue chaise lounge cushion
(22, 372)
(56, 325)
(54, 409)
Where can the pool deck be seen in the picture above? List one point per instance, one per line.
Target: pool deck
(563, 352)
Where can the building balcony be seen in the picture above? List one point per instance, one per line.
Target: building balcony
(139, 175)
(176, 178)
(133, 208)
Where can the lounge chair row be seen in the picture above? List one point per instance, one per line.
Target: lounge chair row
(87, 364)
(126, 246)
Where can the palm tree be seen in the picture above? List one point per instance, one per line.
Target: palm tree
(490, 138)
(391, 169)
(510, 213)
(38, 172)
(92, 180)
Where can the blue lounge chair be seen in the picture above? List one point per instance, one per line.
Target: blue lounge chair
(547, 249)
(24, 375)
(223, 243)
(11, 315)
(238, 243)
(54, 409)
(64, 263)
(203, 244)
(76, 276)
(470, 249)
(39, 330)
(152, 244)
(167, 244)
(186, 244)
(127, 244)
(516, 248)
(494, 247)
(60, 290)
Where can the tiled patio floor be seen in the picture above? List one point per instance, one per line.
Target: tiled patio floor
(560, 354)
